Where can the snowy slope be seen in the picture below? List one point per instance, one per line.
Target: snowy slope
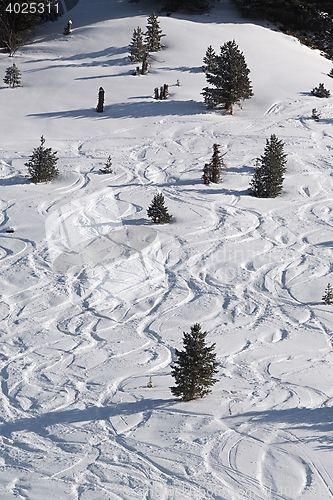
(94, 298)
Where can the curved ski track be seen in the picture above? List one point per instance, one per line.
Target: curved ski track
(78, 347)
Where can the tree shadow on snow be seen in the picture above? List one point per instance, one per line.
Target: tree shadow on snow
(313, 420)
(131, 110)
(136, 222)
(184, 69)
(14, 181)
(40, 423)
(92, 59)
(325, 244)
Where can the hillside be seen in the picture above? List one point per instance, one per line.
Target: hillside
(95, 298)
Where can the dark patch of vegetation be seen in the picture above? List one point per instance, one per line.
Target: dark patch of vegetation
(311, 21)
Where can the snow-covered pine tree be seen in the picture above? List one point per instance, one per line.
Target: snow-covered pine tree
(195, 367)
(328, 297)
(213, 171)
(209, 60)
(136, 47)
(42, 164)
(330, 73)
(269, 172)
(320, 91)
(230, 77)
(13, 76)
(158, 211)
(107, 166)
(153, 34)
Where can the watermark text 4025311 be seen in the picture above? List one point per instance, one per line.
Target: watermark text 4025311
(32, 8)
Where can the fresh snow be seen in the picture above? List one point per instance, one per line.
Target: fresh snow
(95, 298)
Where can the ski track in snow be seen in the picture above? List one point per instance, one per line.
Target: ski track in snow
(95, 304)
(235, 266)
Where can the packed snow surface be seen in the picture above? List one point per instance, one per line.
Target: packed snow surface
(95, 298)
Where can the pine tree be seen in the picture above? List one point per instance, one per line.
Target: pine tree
(268, 175)
(42, 164)
(108, 166)
(209, 60)
(315, 115)
(330, 73)
(195, 367)
(213, 171)
(13, 76)
(157, 211)
(230, 78)
(320, 91)
(137, 48)
(328, 297)
(153, 34)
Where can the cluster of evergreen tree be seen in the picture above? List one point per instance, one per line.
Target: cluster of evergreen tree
(18, 24)
(191, 6)
(150, 41)
(310, 20)
(321, 91)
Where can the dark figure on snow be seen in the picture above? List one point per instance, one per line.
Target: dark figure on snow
(68, 28)
(100, 104)
(165, 91)
(145, 64)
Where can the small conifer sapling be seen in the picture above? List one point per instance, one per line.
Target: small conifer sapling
(136, 47)
(213, 171)
(13, 76)
(328, 297)
(195, 366)
(42, 164)
(268, 175)
(158, 211)
(107, 166)
(315, 115)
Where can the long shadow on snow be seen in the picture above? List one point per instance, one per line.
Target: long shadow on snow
(39, 423)
(14, 181)
(310, 419)
(131, 110)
